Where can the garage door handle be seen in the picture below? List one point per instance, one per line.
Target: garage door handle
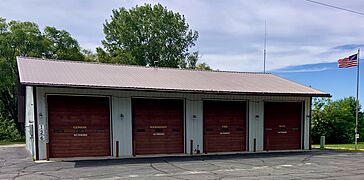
(100, 130)
(175, 130)
(58, 131)
(140, 130)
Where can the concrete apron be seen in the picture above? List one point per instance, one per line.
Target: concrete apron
(12, 145)
(168, 155)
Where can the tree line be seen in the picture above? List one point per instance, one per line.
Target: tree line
(336, 120)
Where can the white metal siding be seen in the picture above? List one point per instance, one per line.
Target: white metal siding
(194, 129)
(256, 125)
(122, 129)
(188, 96)
(306, 124)
(29, 120)
(42, 121)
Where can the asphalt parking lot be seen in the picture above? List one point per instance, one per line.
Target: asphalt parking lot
(15, 163)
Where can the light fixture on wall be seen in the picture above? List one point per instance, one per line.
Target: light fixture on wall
(194, 117)
(40, 115)
(121, 116)
(256, 117)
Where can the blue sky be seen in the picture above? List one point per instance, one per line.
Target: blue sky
(339, 82)
(304, 40)
(326, 77)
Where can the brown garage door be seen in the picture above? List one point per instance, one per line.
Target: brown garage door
(78, 126)
(224, 126)
(282, 125)
(157, 126)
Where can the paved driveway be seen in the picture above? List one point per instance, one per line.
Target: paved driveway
(15, 163)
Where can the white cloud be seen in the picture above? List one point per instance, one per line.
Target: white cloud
(303, 70)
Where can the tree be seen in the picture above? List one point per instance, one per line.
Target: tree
(16, 39)
(88, 55)
(25, 39)
(61, 45)
(118, 57)
(335, 120)
(148, 35)
(191, 61)
(203, 66)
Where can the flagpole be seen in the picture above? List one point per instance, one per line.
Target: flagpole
(265, 44)
(357, 102)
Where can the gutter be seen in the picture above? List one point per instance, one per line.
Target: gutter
(181, 91)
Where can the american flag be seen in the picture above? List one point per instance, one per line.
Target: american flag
(348, 62)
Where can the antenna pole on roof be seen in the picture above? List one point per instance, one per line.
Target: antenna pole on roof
(156, 63)
(265, 44)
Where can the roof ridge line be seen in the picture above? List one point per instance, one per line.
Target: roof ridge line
(137, 66)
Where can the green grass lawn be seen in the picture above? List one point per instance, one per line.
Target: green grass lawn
(349, 147)
(11, 142)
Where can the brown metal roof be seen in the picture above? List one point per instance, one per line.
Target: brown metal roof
(42, 72)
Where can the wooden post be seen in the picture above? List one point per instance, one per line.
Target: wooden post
(255, 145)
(117, 148)
(205, 146)
(134, 148)
(47, 151)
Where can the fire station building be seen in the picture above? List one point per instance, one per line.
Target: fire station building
(79, 109)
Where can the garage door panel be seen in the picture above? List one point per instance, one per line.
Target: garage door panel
(90, 152)
(282, 125)
(224, 126)
(77, 147)
(157, 126)
(66, 137)
(78, 126)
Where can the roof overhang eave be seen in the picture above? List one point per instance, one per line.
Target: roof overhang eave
(178, 90)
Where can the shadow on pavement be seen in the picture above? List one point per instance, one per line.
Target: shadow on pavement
(111, 162)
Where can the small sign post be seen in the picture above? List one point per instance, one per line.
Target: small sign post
(322, 142)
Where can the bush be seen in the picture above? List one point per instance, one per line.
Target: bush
(8, 131)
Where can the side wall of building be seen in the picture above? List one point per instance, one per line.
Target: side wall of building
(29, 120)
(121, 116)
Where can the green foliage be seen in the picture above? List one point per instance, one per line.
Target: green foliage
(203, 66)
(191, 61)
(25, 39)
(335, 120)
(146, 35)
(61, 45)
(119, 57)
(89, 55)
(9, 131)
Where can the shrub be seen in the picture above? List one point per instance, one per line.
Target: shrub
(8, 130)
